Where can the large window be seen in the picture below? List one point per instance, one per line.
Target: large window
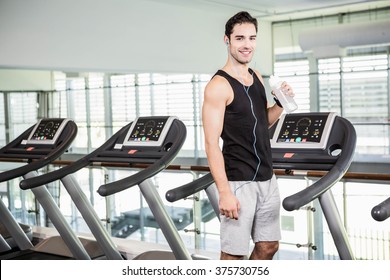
(123, 95)
(22, 112)
(98, 102)
(357, 88)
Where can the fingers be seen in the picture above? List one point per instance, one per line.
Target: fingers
(234, 215)
(286, 88)
(230, 214)
(290, 92)
(229, 206)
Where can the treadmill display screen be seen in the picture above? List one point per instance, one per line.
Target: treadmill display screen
(305, 130)
(148, 131)
(302, 129)
(47, 131)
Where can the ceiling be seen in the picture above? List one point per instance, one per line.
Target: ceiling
(279, 10)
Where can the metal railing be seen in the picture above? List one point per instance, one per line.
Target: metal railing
(367, 243)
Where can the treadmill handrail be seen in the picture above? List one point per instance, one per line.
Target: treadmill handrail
(39, 163)
(381, 211)
(189, 188)
(299, 199)
(133, 180)
(69, 169)
(153, 169)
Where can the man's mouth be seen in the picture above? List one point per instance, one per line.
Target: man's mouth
(246, 52)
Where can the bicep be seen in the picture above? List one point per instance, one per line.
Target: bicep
(212, 121)
(213, 112)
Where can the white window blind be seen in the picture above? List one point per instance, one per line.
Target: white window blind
(96, 110)
(123, 100)
(329, 85)
(175, 97)
(296, 73)
(22, 112)
(58, 104)
(365, 87)
(2, 121)
(199, 86)
(78, 112)
(356, 87)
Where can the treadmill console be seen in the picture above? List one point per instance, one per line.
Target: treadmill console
(303, 130)
(148, 131)
(46, 131)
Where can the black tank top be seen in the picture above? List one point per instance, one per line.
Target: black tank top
(238, 137)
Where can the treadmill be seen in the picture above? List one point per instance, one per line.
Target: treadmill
(152, 141)
(304, 141)
(38, 146)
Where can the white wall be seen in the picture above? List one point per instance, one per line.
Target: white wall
(20, 80)
(127, 36)
(116, 36)
(110, 36)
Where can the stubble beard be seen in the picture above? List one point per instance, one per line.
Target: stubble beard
(241, 61)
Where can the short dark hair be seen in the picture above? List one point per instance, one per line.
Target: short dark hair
(239, 18)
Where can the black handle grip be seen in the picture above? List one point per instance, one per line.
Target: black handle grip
(299, 199)
(382, 211)
(128, 182)
(37, 181)
(20, 171)
(190, 188)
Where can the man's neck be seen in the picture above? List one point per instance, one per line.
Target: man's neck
(239, 71)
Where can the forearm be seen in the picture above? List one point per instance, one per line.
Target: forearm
(274, 113)
(217, 168)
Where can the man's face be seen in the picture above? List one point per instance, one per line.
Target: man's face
(243, 42)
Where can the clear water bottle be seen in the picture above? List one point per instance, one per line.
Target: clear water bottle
(286, 100)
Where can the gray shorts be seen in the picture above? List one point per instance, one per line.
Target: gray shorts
(258, 218)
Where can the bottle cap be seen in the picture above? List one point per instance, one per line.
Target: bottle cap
(274, 81)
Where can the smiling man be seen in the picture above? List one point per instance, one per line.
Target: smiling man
(235, 109)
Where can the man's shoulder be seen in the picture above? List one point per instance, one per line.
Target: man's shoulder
(217, 83)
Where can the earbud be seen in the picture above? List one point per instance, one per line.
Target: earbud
(227, 42)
